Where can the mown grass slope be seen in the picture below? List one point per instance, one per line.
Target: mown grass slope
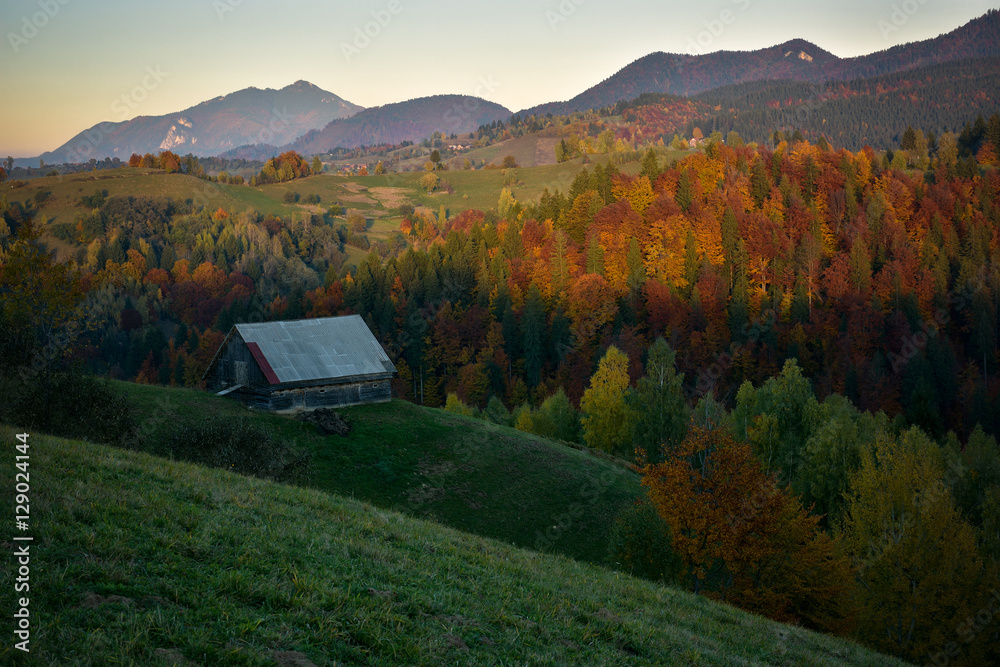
(66, 190)
(486, 479)
(139, 560)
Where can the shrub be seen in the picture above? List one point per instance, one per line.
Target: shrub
(64, 231)
(521, 418)
(557, 418)
(236, 444)
(356, 221)
(291, 197)
(357, 240)
(429, 182)
(640, 544)
(71, 405)
(455, 404)
(95, 200)
(497, 412)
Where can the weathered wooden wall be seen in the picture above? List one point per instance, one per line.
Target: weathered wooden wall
(323, 396)
(224, 374)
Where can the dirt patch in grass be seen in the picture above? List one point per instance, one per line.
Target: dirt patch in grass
(545, 151)
(170, 656)
(359, 199)
(292, 659)
(424, 494)
(454, 641)
(390, 197)
(429, 469)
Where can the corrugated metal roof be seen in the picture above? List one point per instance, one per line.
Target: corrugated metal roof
(326, 347)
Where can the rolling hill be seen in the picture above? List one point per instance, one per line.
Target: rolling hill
(412, 120)
(478, 477)
(799, 60)
(249, 116)
(140, 560)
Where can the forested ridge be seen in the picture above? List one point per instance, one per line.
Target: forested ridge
(700, 69)
(873, 111)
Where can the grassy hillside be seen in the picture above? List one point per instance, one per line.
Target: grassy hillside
(139, 560)
(479, 188)
(378, 197)
(67, 189)
(489, 480)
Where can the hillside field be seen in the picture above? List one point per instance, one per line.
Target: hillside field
(377, 197)
(478, 477)
(140, 560)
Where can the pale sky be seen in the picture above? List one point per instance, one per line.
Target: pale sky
(69, 64)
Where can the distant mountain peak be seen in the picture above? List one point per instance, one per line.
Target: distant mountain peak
(212, 127)
(302, 84)
(798, 44)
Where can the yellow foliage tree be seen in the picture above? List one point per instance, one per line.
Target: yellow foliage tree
(637, 191)
(605, 413)
(708, 234)
(664, 254)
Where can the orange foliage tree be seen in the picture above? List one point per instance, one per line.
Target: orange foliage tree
(746, 541)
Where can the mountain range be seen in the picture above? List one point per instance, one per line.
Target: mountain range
(797, 59)
(255, 123)
(248, 116)
(412, 120)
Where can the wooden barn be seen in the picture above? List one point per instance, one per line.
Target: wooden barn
(302, 365)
